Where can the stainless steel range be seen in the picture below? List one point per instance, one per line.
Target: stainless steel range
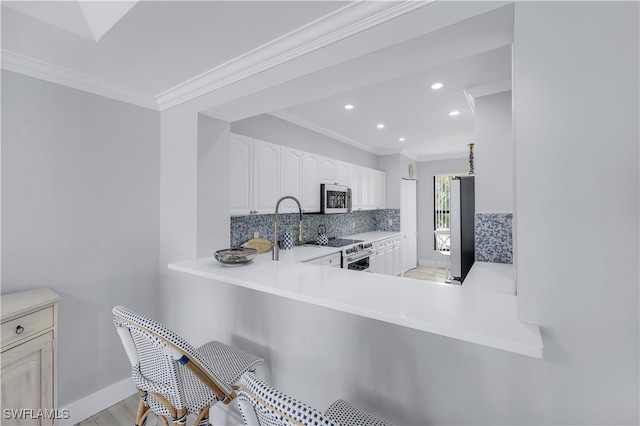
(357, 257)
(356, 254)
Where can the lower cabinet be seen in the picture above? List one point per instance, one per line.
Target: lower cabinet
(397, 267)
(386, 259)
(28, 360)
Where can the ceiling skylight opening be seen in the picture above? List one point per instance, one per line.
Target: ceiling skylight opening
(380, 126)
(436, 86)
(454, 113)
(348, 106)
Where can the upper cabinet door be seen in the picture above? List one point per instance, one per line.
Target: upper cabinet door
(326, 170)
(311, 182)
(290, 177)
(365, 203)
(333, 171)
(241, 179)
(340, 174)
(353, 174)
(266, 178)
(381, 193)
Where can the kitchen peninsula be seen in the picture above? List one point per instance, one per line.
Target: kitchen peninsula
(476, 312)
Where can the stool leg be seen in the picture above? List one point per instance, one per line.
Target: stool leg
(143, 408)
(180, 417)
(203, 417)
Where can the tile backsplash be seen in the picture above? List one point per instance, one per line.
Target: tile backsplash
(338, 225)
(494, 237)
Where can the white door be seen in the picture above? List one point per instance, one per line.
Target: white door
(408, 225)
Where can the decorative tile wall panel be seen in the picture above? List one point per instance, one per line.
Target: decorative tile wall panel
(494, 237)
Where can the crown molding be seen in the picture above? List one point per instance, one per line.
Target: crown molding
(55, 74)
(472, 93)
(294, 119)
(344, 22)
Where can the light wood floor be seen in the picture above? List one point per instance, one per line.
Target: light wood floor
(121, 414)
(438, 275)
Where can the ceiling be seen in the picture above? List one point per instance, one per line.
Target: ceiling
(152, 52)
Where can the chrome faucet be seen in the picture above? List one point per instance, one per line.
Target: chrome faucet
(276, 222)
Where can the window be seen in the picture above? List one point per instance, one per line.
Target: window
(441, 213)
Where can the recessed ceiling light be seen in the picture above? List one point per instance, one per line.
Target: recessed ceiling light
(436, 86)
(401, 140)
(348, 106)
(380, 126)
(454, 113)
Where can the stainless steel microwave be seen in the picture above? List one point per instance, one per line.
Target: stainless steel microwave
(335, 199)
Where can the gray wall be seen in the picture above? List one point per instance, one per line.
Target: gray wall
(577, 186)
(494, 154)
(80, 215)
(272, 129)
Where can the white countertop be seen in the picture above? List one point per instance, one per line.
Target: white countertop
(486, 316)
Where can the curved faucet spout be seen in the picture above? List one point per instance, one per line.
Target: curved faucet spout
(276, 222)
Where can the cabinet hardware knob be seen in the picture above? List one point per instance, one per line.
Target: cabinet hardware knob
(19, 329)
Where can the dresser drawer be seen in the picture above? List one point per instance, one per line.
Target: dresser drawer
(26, 325)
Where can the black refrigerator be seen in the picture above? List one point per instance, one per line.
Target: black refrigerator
(463, 212)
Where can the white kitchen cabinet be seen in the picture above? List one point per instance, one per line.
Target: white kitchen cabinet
(332, 260)
(370, 187)
(241, 178)
(340, 173)
(263, 172)
(365, 203)
(381, 193)
(376, 189)
(381, 257)
(310, 182)
(266, 176)
(388, 257)
(373, 260)
(290, 178)
(333, 171)
(397, 248)
(29, 356)
(353, 174)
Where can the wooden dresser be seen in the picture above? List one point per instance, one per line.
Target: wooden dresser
(29, 357)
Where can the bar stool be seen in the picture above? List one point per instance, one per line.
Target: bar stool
(263, 405)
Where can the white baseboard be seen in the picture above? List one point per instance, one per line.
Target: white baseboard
(92, 404)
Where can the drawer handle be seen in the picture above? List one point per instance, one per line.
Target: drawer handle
(19, 329)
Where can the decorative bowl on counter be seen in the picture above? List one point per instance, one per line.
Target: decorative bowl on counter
(236, 256)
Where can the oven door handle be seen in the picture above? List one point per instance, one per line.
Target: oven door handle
(364, 254)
